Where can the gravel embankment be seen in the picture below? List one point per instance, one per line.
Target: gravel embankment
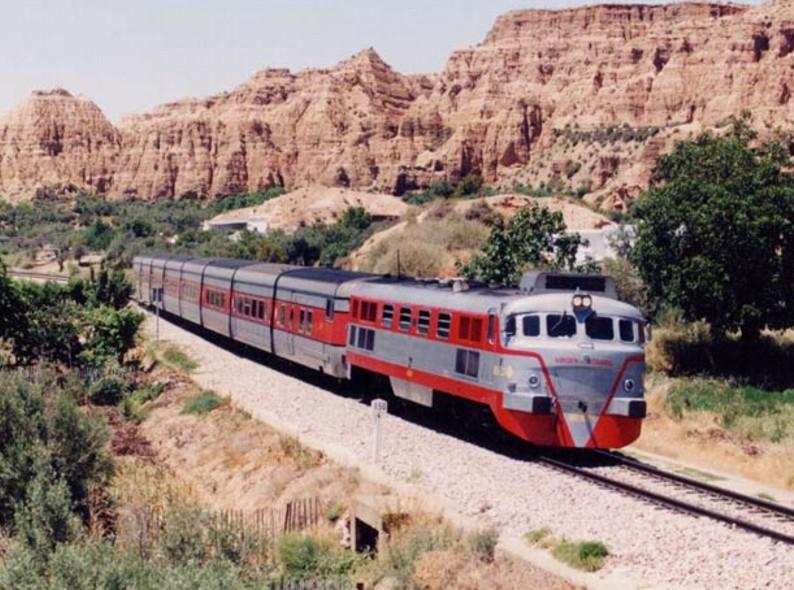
(665, 548)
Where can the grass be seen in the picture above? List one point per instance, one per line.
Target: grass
(541, 537)
(755, 413)
(484, 542)
(295, 450)
(131, 407)
(430, 247)
(178, 359)
(203, 403)
(701, 475)
(171, 356)
(588, 556)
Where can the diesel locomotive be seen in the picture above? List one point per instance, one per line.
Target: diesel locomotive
(559, 360)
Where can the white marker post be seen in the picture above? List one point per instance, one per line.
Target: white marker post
(379, 410)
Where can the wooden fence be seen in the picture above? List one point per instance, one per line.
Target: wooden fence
(297, 515)
(146, 524)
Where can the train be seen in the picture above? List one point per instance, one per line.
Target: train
(558, 361)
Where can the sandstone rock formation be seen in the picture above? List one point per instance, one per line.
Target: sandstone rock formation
(56, 140)
(585, 97)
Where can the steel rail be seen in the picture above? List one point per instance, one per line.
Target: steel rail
(25, 274)
(666, 501)
(700, 486)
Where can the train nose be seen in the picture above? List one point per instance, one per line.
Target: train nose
(589, 389)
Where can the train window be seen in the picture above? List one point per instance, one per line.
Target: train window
(301, 320)
(362, 338)
(470, 328)
(423, 326)
(309, 321)
(369, 311)
(560, 326)
(261, 312)
(444, 323)
(370, 344)
(530, 326)
(510, 326)
(463, 327)
(329, 308)
(246, 306)
(475, 332)
(600, 328)
(282, 316)
(388, 315)
(352, 338)
(405, 319)
(626, 328)
(355, 308)
(491, 327)
(467, 362)
(292, 317)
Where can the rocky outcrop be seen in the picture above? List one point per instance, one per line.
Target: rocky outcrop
(55, 140)
(536, 102)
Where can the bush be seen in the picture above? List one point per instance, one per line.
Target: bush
(687, 349)
(203, 403)
(304, 557)
(47, 439)
(750, 411)
(398, 559)
(484, 542)
(108, 391)
(588, 556)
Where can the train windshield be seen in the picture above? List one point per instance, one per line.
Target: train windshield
(604, 328)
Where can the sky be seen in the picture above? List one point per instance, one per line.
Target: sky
(131, 55)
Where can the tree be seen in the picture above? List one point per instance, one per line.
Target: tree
(12, 311)
(716, 233)
(534, 238)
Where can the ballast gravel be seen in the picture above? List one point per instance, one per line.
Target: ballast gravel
(656, 545)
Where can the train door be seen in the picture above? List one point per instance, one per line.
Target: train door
(292, 322)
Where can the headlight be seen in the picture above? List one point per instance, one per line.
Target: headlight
(629, 384)
(534, 381)
(577, 301)
(587, 301)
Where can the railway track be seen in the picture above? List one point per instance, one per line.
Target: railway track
(749, 506)
(37, 276)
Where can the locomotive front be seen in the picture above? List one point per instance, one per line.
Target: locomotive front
(574, 353)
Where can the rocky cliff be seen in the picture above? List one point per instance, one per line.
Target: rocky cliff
(580, 100)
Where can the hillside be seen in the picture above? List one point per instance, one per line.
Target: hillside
(582, 99)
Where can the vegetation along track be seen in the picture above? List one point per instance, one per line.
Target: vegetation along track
(748, 513)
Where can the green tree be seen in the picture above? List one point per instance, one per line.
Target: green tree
(12, 311)
(534, 238)
(716, 233)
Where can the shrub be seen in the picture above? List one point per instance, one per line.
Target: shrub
(398, 559)
(753, 412)
(584, 555)
(484, 542)
(203, 403)
(306, 557)
(46, 517)
(537, 536)
(294, 449)
(108, 391)
(481, 211)
(47, 436)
